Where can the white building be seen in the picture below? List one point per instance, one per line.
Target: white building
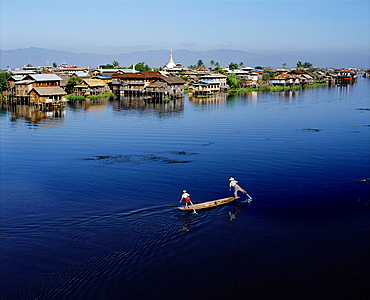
(217, 78)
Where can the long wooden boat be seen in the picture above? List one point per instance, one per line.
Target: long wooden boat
(208, 204)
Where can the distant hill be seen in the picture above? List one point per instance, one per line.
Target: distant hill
(156, 58)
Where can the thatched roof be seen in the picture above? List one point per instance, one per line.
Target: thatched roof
(156, 84)
(173, 80)
(94, 82)
(49, 91)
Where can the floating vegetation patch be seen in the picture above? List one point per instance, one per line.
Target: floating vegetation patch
(140, 159)
(182, 153)
(208, 144)
(363, 109)
(174, 161)
(367, 180)
(309, 130)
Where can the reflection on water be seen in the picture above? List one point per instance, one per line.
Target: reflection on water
(212, 101)
(89, 104)
(252, 97)
(289, 94)
(220, 100)
(142, 104)
(238, 207)
(35, 114)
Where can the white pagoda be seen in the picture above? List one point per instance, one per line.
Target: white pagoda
(171, 64)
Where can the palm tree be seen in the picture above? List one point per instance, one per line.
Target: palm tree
(200, 63)
(115, 64)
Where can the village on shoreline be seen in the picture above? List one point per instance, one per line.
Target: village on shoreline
(56, 85)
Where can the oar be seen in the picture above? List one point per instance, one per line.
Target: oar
(194, 211)
(250, 198)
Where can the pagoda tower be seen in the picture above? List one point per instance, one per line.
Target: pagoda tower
(171, 64)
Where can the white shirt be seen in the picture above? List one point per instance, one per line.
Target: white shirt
(233, 183)
(185, 195)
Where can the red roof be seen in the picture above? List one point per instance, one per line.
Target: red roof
(186, 72)
(143, 74)
(297, 72)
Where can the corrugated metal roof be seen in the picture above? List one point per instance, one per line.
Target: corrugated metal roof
(17, 77)
(81, 74)
(116, 70)
(45, 77)
(23, 72)
(24, 82)
(214, 76)
(206, 82)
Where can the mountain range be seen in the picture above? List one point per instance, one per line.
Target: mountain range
(154, 58)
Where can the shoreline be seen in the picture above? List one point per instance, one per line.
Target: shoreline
(273, 88)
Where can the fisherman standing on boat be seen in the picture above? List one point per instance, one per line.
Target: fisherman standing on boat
(185, 196)
(234, 184)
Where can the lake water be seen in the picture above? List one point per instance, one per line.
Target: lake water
(89, 198)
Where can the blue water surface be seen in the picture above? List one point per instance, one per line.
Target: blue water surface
(89, 198)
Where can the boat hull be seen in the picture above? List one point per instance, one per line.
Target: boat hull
(208, 204)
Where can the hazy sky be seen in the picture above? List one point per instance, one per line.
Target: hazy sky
(120, 26)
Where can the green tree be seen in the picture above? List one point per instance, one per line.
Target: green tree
(303, 65)
(142, 66)
(241, 64)
(72, 82)
(4, 78)
(115, 64)
(313, 69)
(218, 69)
(284, 65)
(233, 66)
(233, 81)
(184, 77)
(107, 66)
(267, 75)
(214, 63)
(200, 64)
(54, 65)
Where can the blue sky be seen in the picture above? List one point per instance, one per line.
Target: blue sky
(118, 26)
